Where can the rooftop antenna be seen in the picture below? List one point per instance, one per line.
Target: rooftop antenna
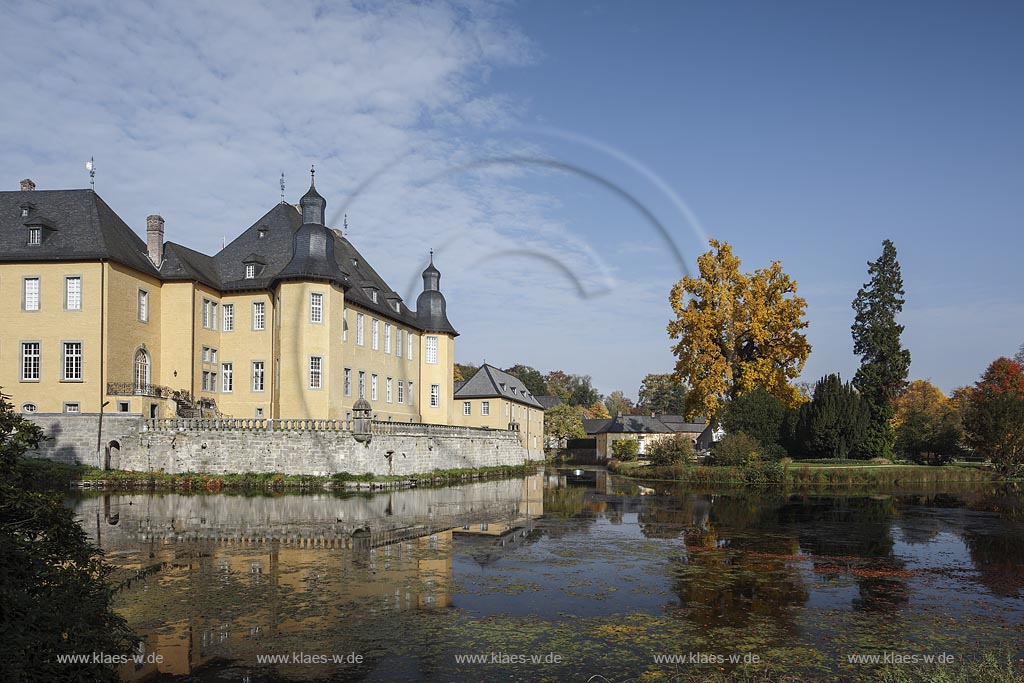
(90, 166)
(282, 187)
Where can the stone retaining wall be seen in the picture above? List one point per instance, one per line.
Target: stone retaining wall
(212, 447)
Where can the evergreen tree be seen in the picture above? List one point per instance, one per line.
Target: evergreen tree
(836, 422)
(882, 375)
(757, 413)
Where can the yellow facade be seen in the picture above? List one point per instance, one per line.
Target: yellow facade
(497, 412)
(183, 335)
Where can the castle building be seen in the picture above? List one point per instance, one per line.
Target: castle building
(495, 399)
(286, 321)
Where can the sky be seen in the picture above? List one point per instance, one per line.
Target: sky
(567, 162)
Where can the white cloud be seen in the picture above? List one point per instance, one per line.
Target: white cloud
(193, 110)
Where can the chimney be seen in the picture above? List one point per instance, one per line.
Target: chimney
(27, 185)
(155, 239)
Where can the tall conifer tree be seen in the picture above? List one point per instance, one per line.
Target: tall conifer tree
(884, 364)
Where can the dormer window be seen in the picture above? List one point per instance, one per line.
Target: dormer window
(253, 265)
(371, 292)
(355, 262)
(513, 391)
(24, 212)
(261, 233)
(35, 235)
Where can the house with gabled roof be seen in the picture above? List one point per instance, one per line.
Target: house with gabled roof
(647, 429)
(495, 399)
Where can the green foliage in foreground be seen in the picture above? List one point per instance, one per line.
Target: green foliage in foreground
(54, 583)
(625, 449)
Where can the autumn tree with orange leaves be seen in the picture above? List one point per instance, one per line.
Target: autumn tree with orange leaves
(995, 415)
(737, 332)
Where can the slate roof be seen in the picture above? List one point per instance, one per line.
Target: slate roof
(490, 382)
(548, 402)
(634, 424)
(593, 425)
(645, 424)
(678, 423)
(79, 227)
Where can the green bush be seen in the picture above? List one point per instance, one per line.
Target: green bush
(625, 449)
(671, 450)
(736, 449)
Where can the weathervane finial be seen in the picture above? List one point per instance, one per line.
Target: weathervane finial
(282, 187)
(91, 167)
(312, 175)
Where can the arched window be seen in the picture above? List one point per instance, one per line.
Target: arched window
(141, 371)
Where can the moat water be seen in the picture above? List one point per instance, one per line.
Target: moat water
(561, 576)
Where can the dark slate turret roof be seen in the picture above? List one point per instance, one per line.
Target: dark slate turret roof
(81, 227)
(490, 382)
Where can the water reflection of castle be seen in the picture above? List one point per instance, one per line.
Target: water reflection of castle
(210, 577)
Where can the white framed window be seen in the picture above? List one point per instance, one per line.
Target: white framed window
(362, 384)
(143, 306)
(485, 408)
(467, 408)
(373, 387)
(398, 342)
(227, 377)
(387, 390)
(72, 362)
(316, 372)
(73, 293)
(344, 325)
(28, 407)
(506, 409)
(375, 334)
(206, 380)
(360, 329)
(316, 307)
(430, 354)
(213, 356)
(257, 375)
(229, 317)
(348, 382)
(30, 361)
(123, 406)
(387, 337)
(259, 315)
(401, 391)
(31, 298)
(35, 236)
(250, 271)
(206, 354)
(206, 313)
(72, 408)
(435, 395)
(412, 393)
(410, 340)
(213, 315)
